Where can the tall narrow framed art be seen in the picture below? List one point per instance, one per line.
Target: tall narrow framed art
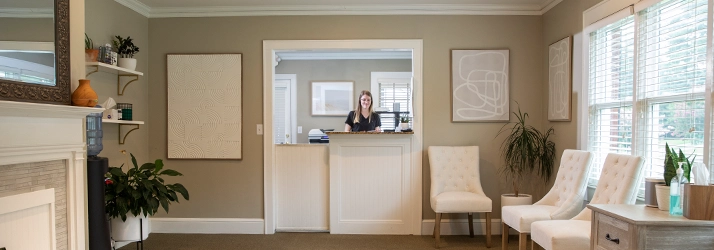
(204, 106)
(559, 80)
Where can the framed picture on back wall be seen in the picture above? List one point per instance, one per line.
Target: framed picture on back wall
(559, 80)
(479, 86)
(205, 113)
(331, 98)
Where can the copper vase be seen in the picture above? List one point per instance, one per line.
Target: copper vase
(84, 95)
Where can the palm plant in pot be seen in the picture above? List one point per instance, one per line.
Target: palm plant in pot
(525, 150)
(126, 50)
(139, 191)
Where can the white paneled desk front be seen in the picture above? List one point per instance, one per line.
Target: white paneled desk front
(374, 189)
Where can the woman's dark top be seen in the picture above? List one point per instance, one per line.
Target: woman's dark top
(364, 124)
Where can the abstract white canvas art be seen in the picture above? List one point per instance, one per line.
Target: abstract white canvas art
(559, 71)
(479, 86)
(204, 106)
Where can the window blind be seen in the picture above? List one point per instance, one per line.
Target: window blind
(610, 92)
(280, 113)
(671, 80)
(392, 91)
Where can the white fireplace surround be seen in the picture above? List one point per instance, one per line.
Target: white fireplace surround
(32, 132)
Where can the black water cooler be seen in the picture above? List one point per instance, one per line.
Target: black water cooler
(96, 168)
(98, 223)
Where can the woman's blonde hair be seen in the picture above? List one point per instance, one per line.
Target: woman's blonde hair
(358, 110)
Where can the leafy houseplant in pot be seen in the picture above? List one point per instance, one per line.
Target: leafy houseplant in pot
(671, 163)
(126, 50)
(524, 151)
(137, 194)
(90, 53)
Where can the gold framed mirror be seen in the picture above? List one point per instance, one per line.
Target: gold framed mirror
(57, 91)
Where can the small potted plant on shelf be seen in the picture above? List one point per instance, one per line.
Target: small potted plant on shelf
(126, 50)
(139, 191)
(89, 51)
(524, 151)
(671, 163)
(404, 122)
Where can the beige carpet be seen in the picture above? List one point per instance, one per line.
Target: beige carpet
(315, 241)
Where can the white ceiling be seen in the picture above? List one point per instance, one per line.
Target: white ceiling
(202, 8)
(214, 3)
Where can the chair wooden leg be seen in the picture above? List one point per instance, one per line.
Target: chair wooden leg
(437, 229)
(471, 225)
(532, 244)
(488, 230)
(504, 236)
(522, 241)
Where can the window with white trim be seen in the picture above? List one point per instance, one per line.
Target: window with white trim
(647, 85)
(389, 88)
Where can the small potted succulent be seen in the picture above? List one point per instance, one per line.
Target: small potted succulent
(137, 193)
(672, 159)
(126, 49)
(404, 122)
(90, 52)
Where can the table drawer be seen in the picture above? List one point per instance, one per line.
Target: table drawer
(612, 234)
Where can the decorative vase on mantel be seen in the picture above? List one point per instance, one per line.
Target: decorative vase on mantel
(84, 95)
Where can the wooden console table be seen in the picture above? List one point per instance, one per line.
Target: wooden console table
(640, 227)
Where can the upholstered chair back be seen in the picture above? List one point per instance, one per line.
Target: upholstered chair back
(454, 169)
(618, 184)
(570, 184)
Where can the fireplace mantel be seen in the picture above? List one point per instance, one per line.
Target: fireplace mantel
(32, 132)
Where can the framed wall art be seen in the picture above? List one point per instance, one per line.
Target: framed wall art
(479, 86)
(331, 98)
(204, 106)
(559, 80)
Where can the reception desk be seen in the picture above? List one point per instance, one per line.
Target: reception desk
(374, 186)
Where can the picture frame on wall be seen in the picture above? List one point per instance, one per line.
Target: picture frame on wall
(204, 106)
(560, 80)
(331, 98)
(480, 85)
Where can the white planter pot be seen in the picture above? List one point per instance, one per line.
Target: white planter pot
(404, 125)
(662, 197)
(127, 63)
(129, 230)
(512, 200)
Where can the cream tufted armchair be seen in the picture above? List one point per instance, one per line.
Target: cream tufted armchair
(562, 202)
(618, 184)
(456, 186)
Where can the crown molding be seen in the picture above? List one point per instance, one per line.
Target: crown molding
(549, 5)
(325, 10)
(137, 6)
(27, 12)
(356, 55)
(322, 10)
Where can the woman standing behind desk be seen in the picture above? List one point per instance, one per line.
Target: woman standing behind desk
(367, 120)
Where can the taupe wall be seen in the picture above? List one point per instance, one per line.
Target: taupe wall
(104, 20)
(565, 19)
(234, 189)
(358, 71)
(27, 29)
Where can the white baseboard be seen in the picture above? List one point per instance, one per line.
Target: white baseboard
(461, 227)
(207, 226)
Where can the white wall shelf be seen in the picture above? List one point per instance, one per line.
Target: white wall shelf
(123, 123)
(119, 71)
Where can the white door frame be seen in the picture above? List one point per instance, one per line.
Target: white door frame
(269, 49)
(293, 103)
